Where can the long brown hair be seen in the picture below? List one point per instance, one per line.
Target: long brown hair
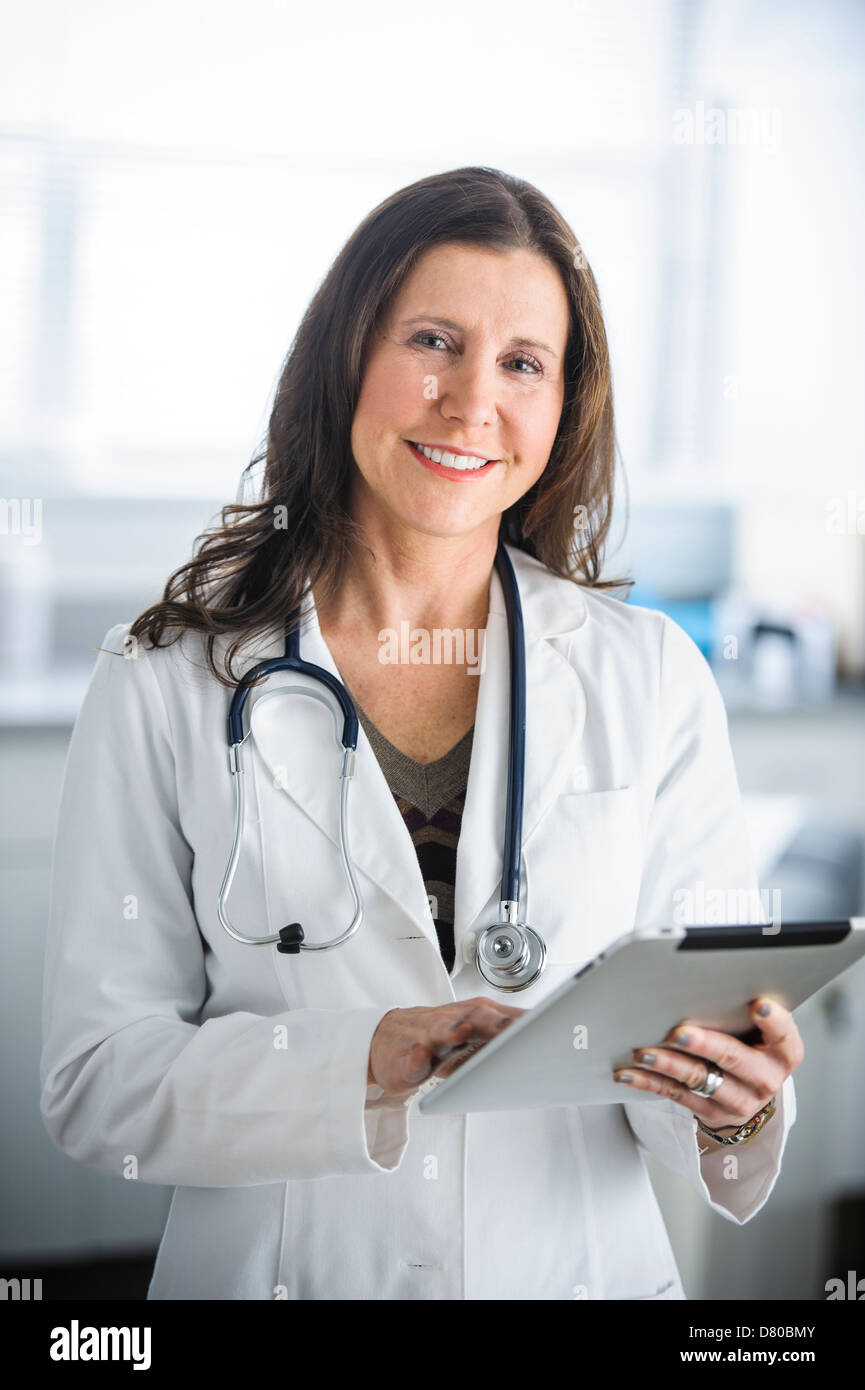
(252, 571)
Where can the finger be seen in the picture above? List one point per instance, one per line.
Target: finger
(477, 1021)
(715, 1115)
(780, 1033)
(439, 1034)
(442, 1035)
(445, 1029)
(488, 1017)
(458, 1056)
(755, 1067)
(461, 1044)
(455, 1042)
(686, 1071)
(417, 1063)
(481, 1003)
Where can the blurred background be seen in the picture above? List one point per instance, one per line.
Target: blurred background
(175, 179)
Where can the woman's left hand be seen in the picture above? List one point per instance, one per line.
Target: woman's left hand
(752, 1075)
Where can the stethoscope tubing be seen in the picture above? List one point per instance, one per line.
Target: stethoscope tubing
(510, 890)
(235, 754)
(292, 661)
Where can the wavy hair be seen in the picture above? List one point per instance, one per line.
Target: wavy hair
(251, 571)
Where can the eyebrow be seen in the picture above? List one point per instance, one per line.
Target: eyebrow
(458, 328)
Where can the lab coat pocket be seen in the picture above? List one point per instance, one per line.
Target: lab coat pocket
(583, 870)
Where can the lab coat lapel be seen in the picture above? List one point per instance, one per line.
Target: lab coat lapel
(555, 718)
(301, 746)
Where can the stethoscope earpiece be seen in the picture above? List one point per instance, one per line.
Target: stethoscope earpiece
(290, 938)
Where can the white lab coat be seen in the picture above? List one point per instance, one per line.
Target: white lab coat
(238, 1075)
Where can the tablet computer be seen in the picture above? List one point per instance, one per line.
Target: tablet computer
(564, 1051)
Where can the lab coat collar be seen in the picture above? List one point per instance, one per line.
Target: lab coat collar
(296, 751)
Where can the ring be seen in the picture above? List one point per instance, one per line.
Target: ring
(712, 1081)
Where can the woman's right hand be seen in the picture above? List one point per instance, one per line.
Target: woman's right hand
(410, 1045)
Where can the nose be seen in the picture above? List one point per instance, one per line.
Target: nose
(470, 396)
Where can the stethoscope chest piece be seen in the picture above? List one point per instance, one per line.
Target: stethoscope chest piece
(510, 955)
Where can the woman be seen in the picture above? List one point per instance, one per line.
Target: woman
(275, 1090)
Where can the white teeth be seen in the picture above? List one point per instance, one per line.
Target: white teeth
(463, 462)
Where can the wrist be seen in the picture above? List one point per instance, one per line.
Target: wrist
(709, 1130)
(738, 1134)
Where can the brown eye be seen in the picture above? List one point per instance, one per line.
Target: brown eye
(428, 333)
(529, 362)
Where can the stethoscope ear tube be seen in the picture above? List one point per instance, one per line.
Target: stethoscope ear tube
(291, 938)
(292, 661)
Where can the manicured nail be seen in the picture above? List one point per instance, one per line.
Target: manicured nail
(682, 1039)
(648, 1059)
(625, 1077)
(764, 1009)
(503, 1022)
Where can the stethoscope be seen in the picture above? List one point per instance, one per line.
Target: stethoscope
(509, 955)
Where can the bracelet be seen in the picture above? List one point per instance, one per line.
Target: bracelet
(745, 1131)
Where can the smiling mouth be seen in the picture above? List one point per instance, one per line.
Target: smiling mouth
(446, 458)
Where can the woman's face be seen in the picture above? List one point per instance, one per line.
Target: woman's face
(471, 360)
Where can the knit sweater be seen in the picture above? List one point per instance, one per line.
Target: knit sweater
(430, 797)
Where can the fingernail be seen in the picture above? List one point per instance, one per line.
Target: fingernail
(457, 1026)
(625, 1077)
(503, 1022)
(764, 1009)
(648, 1059)
(682, 1039)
